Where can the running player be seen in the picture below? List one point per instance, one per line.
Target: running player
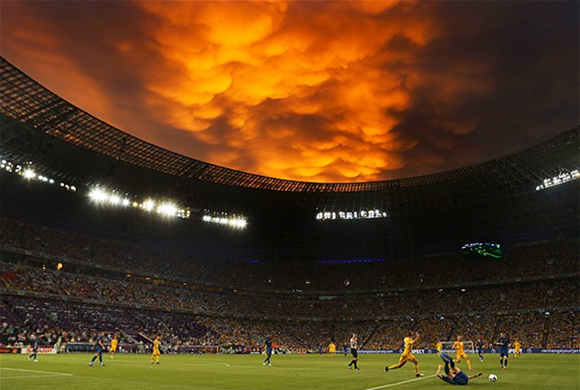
(407, 356)
(354, 351)
(479, 345)
(35, 346)
(503, 344)
(98, 347)
(453, 375)
(114, 344)
(155, 353)
(517, 349)
(460, 353)
(439, 347)
(268, 345)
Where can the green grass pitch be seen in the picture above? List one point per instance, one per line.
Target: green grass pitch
(288, 372)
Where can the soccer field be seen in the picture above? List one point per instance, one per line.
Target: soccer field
(304, 372)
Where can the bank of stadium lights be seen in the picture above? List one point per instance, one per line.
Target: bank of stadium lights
(562, 178)
(29, 173)
(233, 221)
(361, 214)
(113, 198)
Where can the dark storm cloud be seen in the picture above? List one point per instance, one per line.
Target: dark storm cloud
(526, 56)
(323, 91)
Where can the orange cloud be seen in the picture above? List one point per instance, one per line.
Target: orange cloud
(309, 90)
(306, 90)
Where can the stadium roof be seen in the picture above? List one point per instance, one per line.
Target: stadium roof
(25, 101)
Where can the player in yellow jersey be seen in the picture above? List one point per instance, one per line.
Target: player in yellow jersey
(517, 349)
(458, 345)
(155, 353)
(407, 356)
(331, 349)
(114, 344)
(439, 347)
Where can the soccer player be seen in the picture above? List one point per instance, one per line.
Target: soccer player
(453, 375)
(479, 344)
(439, 347)
(354, 351)
(98, 347)
(268, 346)
(331, 349)
(35, 346)
(517, 349)
(114, 344)
(503, 344)
(460, 353)
(407, 356)
(155, 353)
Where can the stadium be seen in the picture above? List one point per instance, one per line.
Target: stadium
(104, 235)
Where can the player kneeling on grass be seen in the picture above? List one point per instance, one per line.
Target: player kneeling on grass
(453, 375)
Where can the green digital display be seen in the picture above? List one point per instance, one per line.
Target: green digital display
(485, 249)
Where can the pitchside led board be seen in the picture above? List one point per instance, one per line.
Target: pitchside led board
(482, 249)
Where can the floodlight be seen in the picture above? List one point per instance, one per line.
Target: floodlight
(148, 205)
(99, 195)
(29, 174)
(167, 209)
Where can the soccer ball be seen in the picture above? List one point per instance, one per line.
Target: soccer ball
(492, 377)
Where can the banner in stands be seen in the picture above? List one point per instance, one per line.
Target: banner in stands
(9, 350)
(29, 351)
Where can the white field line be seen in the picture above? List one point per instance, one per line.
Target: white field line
(44, 374)
(30, 376)
(400, 383)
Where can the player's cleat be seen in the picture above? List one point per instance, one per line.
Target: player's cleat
(157, 362)
(419, 375)
(91, 364)
(35, 361)
(350, 367)
(386, 369)
(264, 363)
(357, 369)
(269, 365)
(102, 364)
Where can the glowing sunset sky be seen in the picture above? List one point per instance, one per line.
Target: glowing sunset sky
(314, 91)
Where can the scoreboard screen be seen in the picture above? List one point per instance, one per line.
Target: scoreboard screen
(486, 249)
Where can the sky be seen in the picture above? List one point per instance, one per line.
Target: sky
(320, 91)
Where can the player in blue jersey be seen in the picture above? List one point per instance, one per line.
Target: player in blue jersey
(479, 345)
(35, 345)
(98, 347)
(503, 343)
(268, 345)
(453, 375)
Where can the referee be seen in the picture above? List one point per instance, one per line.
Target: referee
(353, 350)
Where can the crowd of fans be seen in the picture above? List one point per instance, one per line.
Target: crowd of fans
(520, 261)
(531, 294)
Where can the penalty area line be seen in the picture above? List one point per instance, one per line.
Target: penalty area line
(400, 383)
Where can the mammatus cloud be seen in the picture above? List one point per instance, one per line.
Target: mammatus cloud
(316, 91)
(309, 91)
